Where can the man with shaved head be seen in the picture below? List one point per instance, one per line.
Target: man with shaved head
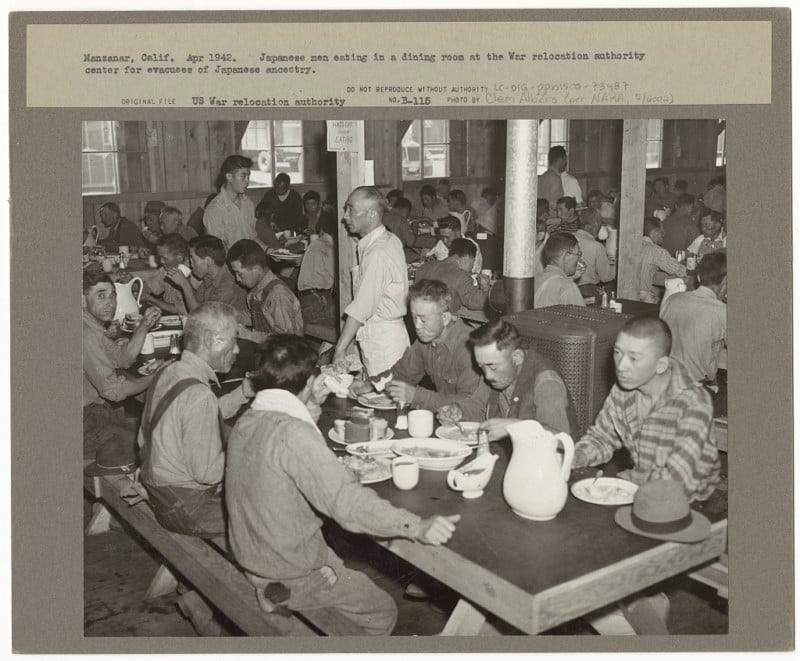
(657, 411)
(380, 287)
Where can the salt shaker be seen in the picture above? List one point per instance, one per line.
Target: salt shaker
(483, 442)
(402, 416)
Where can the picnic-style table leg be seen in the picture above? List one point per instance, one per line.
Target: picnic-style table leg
(467, 620)
(100, 521)
(164, 582)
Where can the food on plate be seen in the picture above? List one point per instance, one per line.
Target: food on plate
(377, 399)
(428, 453)
(610, 494)
(367, 469)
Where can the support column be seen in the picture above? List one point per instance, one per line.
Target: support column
(519, 248)
(631, 213)
(349, 175)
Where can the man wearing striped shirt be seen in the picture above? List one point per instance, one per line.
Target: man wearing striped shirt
(658, 412)
(654, 258)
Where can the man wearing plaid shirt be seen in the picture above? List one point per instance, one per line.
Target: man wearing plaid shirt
(658, 412)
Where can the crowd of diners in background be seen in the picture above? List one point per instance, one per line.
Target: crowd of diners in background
(665, 367)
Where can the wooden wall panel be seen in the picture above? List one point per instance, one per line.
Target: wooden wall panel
(220, 138)
(175, 159)
(198, 156)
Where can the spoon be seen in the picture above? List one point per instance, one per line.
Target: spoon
(596, 477)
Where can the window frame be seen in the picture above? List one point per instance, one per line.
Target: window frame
(113, 128)
(298, 176)
(422, 145)
(659, 140)
(544, 144)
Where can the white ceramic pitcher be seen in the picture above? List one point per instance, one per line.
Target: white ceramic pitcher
(535, 483)
(126, 302)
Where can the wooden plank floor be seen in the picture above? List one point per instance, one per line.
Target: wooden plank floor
(118, 570)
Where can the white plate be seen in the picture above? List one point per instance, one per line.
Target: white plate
(376, 400)
(381, 476)
(372, 448)
(149, 367)
(334, 436)
(606, 491)
(453, 433)
(453, 451)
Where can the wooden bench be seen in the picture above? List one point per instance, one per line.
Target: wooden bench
(204, 565)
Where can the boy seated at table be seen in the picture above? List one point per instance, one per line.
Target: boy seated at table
(173, 250)
(658, 412)
(280, 476)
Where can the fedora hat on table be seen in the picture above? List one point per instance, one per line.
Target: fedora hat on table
(661, 510)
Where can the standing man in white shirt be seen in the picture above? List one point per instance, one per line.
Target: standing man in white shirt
(380, 287)
(231, 216)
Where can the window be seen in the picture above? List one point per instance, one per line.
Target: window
(99, 162)
(655, 141)
(552, 132)
(426, 149)
(275, 146)
(721, 159)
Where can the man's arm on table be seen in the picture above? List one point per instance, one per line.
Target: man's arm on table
(599, 441)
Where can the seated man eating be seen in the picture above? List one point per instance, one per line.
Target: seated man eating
(658, 412)
(441, 352)
(518, 383)
(102, 356)
(281, 476)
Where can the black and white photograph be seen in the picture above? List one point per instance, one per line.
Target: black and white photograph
(340, 392)
(400, 331)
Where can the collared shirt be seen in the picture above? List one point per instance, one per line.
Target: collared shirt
(276, 310)
(673, 442)
(186, 448)
(441, 251)
(553, 287)
(222, 287)
(680, 229)
(594, 256)
(448, 363)
(537, 393)
(187, 232)
(571, 187)
(463, 291)
(702, 246)
(317, 267)
(169, 293)
(654, 258)
(101, 358)
(699, 324)
(230, 220)
(550, 187)
(381, 287)
(279, 474)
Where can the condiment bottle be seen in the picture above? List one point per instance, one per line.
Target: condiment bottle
(604, 300)
(402, 416)
(691, 261)
(174, 346)
(483, 442)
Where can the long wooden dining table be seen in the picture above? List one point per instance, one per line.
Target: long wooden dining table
(533, 575)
